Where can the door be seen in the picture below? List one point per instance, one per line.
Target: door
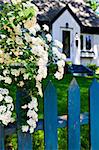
(66, 43)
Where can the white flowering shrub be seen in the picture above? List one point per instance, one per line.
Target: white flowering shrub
(31, 115)
(6, 107)
(26, 52)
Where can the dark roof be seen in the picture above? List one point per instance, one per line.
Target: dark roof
(50, 10)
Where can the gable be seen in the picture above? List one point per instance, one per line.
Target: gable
(50, 10)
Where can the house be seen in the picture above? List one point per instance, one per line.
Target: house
(76, 25)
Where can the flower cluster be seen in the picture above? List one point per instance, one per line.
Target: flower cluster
(27, 50)
(6, 107)
(31, 114)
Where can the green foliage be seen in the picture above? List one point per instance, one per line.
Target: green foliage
(93, 4)
(92, 67)
(38, 140)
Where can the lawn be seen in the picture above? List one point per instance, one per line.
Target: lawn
(62, 89)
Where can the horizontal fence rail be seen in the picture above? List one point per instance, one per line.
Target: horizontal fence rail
(51, 122)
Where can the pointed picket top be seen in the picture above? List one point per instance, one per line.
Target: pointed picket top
(94, 115)
(74, 116)
(50, 87)
(73, 82)
(73, 85)
(50, 117)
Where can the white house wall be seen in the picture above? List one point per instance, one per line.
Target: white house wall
(59, 25)
(95, 48)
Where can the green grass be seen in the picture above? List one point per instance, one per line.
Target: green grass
(62, 90)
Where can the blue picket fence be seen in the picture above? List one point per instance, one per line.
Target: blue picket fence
(52, 122)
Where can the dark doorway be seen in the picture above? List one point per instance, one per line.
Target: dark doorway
(66, 43)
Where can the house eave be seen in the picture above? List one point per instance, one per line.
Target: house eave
(90, 30)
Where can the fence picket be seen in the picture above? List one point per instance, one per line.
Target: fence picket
(2, 137)
(52, 122)
(24, 139)
(74, 116)
(50, 117)
(94, 115)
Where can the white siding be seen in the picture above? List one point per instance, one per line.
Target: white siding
(95, 48)
(59, 25)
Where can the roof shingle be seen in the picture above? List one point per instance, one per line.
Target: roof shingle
(49, 9)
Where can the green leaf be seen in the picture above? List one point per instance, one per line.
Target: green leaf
(27, 12)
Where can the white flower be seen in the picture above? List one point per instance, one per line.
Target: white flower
(27, 37)
(32, 30)
(39, 87)
(30, 122)
(37, 27)
(19, 40)
(10, 107)
(61, 63)
(29, 4)
(6, 72)
(26, 76)
(33, 104)
(58, 44)
(25, 128)
(2, 36)
(49, 37)
(12, 120)
(15, 1)
(33, 114)
(31, 129)
(24, 106)
(45, 28)
(6, 107)
(17, 29)
(8, 99)
(4, 91)
(8, 80)
(56, 52)
(4, 121)
(58, 75)
(1, 97)
(63, 56)
(21, 83)
(1, 78)
(3, 108)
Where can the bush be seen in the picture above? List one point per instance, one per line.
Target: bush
(92, 67)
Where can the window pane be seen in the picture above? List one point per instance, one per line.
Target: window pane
(88, 42)
(81, 40)
(66, 43)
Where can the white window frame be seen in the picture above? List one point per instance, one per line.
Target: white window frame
(84, 42)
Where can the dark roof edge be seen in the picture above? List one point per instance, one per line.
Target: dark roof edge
(84, 29)
(70, 11)
(91, 30)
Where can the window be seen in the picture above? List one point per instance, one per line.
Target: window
(81, 39)
(86, 42)
(66, 43)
